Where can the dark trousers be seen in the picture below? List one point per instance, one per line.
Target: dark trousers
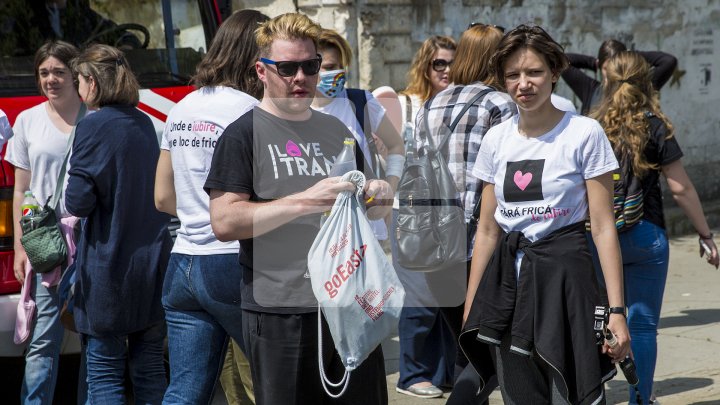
(467, 381)
(283, 354)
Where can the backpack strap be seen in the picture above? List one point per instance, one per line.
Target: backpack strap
(359, 100)
(455, 122)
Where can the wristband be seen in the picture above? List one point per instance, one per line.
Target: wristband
(394, 165)
(617, 310)
(709, 236)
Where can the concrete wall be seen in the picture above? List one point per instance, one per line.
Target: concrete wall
(386, 33)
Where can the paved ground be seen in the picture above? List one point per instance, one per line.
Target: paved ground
(688, 369)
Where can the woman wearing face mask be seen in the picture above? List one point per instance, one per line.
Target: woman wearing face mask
(334, 99)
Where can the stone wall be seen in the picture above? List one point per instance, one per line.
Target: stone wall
(386, 33)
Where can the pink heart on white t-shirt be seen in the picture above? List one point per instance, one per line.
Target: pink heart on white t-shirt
(522, 180)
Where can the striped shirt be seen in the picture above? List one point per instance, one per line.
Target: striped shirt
(462, 148)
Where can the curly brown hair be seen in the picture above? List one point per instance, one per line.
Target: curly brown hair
(628, 95)
(418, 79)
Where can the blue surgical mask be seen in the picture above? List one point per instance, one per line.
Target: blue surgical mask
(331, 83)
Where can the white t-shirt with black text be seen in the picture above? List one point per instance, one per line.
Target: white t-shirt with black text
(540, 182)
(191, 133)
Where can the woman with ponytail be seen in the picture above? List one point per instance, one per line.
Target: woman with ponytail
(124, 245)
(642, 135)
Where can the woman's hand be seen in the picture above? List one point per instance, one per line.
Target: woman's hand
(617, 325)
(711, 256)
(19, 265)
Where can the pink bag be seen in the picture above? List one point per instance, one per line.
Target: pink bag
(25, 312)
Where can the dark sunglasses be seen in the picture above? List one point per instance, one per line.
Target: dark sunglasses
(439, 65)
(290, 68)
(500, 27)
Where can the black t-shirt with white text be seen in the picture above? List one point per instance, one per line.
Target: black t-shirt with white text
(270, 158)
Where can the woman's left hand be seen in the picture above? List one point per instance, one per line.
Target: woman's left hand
(711, 257)
(617, 325)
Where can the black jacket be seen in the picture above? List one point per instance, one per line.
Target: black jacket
(589, 90)
(548, 312)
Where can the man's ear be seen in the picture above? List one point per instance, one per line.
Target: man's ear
(261, 71)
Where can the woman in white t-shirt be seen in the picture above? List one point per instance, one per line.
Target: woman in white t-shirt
(37, 151)
(530, 306)
(332, 98)
(201, 294)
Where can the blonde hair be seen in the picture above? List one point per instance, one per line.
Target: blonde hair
(627, 97)
(332, 39)
(286, 26)
(418, 79)
(115, 83)
(472, 58)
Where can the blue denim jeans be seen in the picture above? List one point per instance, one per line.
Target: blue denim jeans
(645, 254)
(43, 351)
(201, 297)
(106, 357)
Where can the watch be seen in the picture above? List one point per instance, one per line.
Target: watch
(618, 310)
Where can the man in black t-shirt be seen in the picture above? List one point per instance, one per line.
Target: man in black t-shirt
(268, 186)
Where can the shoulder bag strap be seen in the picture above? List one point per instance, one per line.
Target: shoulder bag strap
(467, 106)
(455, 122)
(408, 109)
(61, 177)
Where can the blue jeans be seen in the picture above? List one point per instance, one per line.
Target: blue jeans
(645, 254)
(106, 357)
(201, 297)
(427, 347)
(43, 352)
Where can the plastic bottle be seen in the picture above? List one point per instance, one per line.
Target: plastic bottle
(345, 160)
(30, 206)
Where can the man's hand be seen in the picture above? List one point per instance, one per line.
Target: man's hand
(322, 195)
(378, 198)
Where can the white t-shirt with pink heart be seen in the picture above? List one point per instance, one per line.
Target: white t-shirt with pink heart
(540, 182)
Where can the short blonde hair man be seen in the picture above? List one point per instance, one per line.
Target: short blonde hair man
(286, 26)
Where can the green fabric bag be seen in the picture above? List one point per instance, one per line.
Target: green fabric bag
(43, 241)
(42, 238)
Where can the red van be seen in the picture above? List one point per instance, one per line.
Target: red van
(163, 41)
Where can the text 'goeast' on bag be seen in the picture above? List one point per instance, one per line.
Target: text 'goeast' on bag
(355, 284)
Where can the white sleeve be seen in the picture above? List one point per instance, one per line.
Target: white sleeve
(484, 167)
(375, 110)
(5, 130)
(596, 153)
(17, 148)
(164, 141)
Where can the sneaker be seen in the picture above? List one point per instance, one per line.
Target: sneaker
(430, 391)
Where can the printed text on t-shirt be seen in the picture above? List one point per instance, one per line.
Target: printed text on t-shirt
(305, 159)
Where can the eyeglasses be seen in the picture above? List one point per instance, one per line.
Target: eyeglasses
(439, 65)
(290, 68)
(500, 27)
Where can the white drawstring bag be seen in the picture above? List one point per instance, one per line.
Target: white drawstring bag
(354, 282)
